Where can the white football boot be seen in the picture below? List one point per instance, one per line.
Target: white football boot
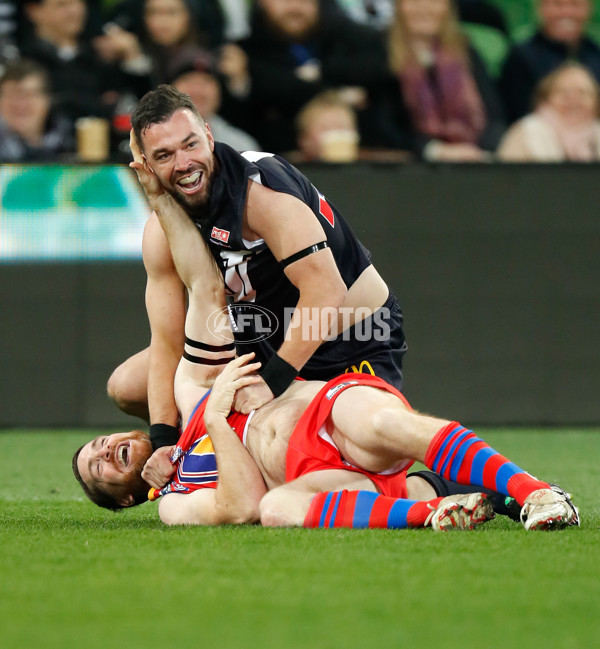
(549, 509)
(461, 512)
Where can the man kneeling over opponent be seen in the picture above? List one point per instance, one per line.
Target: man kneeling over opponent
(330, 454)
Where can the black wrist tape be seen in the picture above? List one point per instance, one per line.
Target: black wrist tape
(163, 435)
(278, 374)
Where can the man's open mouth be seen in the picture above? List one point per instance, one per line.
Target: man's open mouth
(189, 184)
(123, 454)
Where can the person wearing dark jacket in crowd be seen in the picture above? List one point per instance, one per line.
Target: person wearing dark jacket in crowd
(83, 83)
(296, 50)
(559, 38)
(30, 130)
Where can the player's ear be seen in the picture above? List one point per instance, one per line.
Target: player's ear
(126, 501)
(209, 135)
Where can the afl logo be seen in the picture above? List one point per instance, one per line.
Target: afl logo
(250, 323)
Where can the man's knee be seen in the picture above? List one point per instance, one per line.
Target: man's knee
(127, 386)
(284, 508)
(118, 387)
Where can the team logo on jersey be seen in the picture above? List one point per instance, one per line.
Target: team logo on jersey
(199, 465)
(325, 210)
(222, 236)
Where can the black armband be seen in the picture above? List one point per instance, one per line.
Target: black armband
(278, 374)
(304, 253)
(163, 435)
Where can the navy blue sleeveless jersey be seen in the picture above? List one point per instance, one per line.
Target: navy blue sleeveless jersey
(261, 297)
(251, 272)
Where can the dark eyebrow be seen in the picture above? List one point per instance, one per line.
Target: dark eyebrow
(165, 150)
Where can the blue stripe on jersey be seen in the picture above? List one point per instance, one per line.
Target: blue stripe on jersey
(198, 405)
(197, 468)
(363, 508)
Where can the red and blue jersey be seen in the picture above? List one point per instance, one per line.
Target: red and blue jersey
(194, 455)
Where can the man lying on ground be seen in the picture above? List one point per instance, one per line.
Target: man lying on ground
(321, 454)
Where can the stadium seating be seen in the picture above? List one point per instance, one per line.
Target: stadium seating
(518, 14)
(490, 43)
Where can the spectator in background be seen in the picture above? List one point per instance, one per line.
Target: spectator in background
(165, 27)
(8, 31)
(327, 130)
(194, 72)
(380, 13)
(198, 22)
(29, 129)
(560, 37)
(439, 102)
(565, 125)
(83, 83)
(148, 36)
(296, 51)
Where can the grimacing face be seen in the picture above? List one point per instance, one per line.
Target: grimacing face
(179, 152)
(113, 464)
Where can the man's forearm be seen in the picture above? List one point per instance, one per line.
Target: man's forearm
(315, 314)
(241, 485)
(164, 415)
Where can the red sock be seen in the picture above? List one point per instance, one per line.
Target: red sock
(360, 509)
(457, 454)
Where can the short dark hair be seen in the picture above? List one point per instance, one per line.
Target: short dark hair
(99, 497)
(158, 106)
(23, 68)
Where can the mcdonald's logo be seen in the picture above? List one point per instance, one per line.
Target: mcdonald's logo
(363, 368)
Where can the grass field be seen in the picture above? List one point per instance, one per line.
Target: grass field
(72, 575)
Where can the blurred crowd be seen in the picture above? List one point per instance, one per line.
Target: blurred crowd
(313, 80)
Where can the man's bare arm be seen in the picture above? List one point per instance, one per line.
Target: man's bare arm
(165, 305)
(241, 486)
(288, 226)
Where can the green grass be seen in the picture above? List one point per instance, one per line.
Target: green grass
(72, 575)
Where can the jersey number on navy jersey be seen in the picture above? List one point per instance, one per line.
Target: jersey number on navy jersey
(237, 281)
